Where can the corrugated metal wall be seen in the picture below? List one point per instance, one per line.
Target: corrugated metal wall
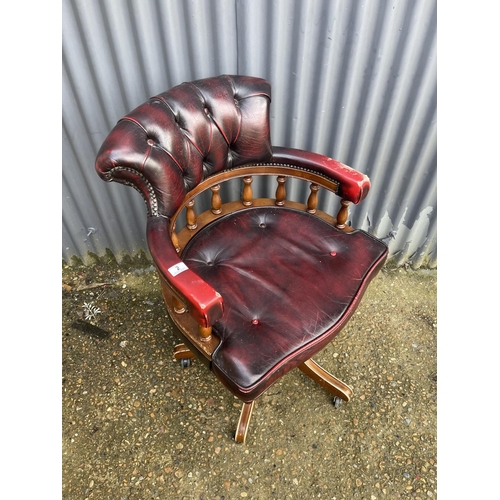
(354, 80)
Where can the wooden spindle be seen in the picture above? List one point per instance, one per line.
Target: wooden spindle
(312, 201)
(179, 307)
(191, 216)
(281, 191)
(343, 214)
(216, 200)
(175, 240)
(205, 332)
(247, 192)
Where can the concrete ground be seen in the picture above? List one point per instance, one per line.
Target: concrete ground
(138, 426)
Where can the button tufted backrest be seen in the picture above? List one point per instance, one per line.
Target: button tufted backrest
(169, 144)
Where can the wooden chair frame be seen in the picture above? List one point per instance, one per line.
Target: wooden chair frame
(190, 140)
(199, 340)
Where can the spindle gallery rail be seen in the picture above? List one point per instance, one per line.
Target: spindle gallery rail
(195, 223)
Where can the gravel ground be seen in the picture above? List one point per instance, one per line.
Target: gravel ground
(138, 426)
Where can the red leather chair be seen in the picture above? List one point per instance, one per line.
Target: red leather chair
(256, 287)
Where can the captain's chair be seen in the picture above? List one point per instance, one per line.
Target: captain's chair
(255, 286)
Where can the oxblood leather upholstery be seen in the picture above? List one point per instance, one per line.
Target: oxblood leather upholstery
(276, 284)
(166, 146)
(290, 282)
(353, 185)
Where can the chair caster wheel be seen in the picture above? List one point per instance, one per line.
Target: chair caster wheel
(337, 401)
(185, 363)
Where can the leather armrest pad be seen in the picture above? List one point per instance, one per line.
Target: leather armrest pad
(353, 185)
(204, 303)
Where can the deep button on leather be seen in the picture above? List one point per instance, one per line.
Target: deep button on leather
(151, 142)
(261, 280)
(261, 220)
(207, 112)
(333, 254)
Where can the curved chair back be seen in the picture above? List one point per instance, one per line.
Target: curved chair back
(168, 145)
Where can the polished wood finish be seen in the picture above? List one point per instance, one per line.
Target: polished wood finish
(243, 423)
(207, 217)
(343, 214)
(179, 307)
(216, 200)
(182, 351)
(188, 327)
(247, 191)
(175, 240)
(202, 340)
(312, 201)
(222, 140)
(281, 191)
(247, 172)
(326, 380)
(190, 215)
(205, 332)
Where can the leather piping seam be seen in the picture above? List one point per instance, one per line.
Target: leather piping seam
(184, 131)
(164, 101)
(132, 120)
(250, 94)
(219, 128)
(143, 166)
(231, 82)
(210, 115)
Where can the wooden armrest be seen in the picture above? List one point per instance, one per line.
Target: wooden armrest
(203, 302)
(353, 185)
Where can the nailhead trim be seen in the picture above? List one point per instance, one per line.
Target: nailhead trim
(152, 203)
(288, 165)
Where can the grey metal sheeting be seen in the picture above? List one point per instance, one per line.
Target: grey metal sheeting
(354, 80)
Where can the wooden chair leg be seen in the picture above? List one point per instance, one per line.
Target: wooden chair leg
(243, 423)
(181, 351)
(326, 380)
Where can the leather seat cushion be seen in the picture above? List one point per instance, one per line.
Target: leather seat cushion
(289, 281)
